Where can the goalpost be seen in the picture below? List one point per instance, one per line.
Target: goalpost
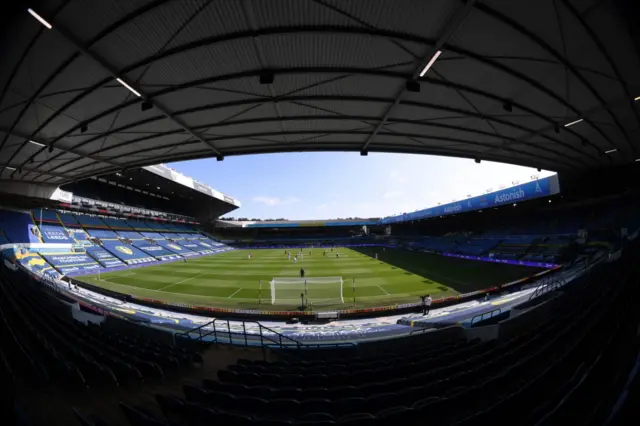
(316, 290)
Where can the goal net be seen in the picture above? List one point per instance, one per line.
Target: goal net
(316, 290)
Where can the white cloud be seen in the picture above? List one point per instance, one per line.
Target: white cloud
(274, 201)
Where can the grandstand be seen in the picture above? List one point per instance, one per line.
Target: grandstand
(127, 299)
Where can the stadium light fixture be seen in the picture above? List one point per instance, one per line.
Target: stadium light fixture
(610, 151)
(430, 63)
(266, 77)
(36, 143)
(40, 18)
(121, 81)
(574, 122)
(413, 86)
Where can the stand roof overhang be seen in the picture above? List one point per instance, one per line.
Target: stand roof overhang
(121, 84)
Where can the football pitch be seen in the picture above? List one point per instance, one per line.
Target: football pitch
(232, 280)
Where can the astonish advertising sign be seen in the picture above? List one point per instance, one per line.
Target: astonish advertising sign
(526, 191)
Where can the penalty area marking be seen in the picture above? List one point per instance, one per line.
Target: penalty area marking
(385, 291)
(234, 293)
(179, 282)
(362, 298)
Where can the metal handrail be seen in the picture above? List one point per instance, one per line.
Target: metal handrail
(550, 284)
(266, 340)
(420, 330)
(216, 332)
(490, 313)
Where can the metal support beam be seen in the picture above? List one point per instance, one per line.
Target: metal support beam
(26, 171)
(115, 74)
(103, 33)
(605, 52)
(568, 162)
(387, 101)
(44, 148)
(564, 61)
(291, 30)
(247, 7)
(449, 30)
(288, 147)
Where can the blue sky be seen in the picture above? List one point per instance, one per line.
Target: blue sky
(331, 185)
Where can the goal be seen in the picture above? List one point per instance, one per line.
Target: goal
(316, 290)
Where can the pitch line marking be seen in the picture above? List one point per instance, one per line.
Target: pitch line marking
(234, 293)
(385, 291)
(244, 298)
(179, 282)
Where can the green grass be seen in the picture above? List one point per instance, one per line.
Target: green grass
(231, 280)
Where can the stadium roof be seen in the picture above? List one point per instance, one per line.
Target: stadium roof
(121, 84)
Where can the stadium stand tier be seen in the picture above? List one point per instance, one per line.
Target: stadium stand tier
(18, 227)
(132, 294)
(102, 234)
(103, 257)
(130, 235)
(68, 220)
(153, 235)
(538, 363)
(127, 253)
(67, 263)
(155, 250)
(117, 224)
(543, 369)
(55, 234)
(194, 246)
(90, 221)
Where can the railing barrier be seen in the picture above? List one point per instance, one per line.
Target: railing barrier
(268, 337)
